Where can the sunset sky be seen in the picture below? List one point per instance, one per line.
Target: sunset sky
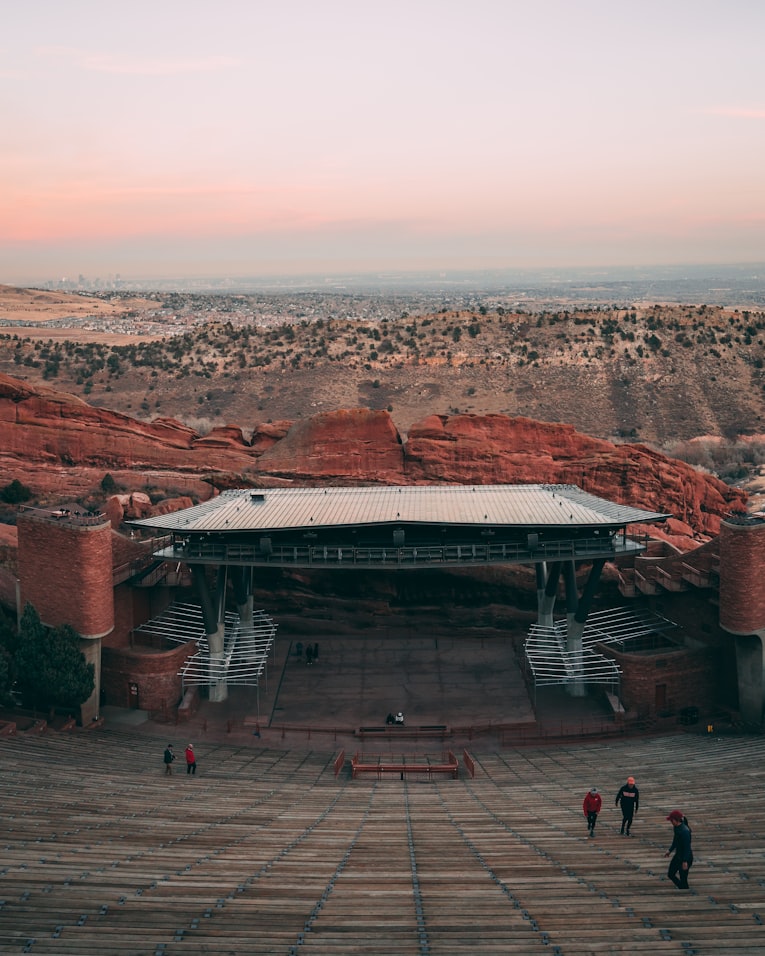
(237, 137)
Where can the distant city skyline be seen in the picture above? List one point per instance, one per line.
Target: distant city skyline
(243, 138)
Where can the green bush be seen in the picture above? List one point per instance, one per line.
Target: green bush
(15, 493)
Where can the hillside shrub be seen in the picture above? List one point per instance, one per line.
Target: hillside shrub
(15, 493)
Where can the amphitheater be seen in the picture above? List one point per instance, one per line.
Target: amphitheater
(275, 847)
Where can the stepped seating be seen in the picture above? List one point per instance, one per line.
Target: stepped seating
(267, 851)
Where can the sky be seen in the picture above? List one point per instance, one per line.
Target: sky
(253, 137)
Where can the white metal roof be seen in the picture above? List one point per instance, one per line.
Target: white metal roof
(273, 509)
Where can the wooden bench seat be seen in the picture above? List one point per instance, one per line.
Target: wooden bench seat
(272, 852)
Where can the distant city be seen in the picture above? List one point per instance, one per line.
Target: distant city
(733, 285)
(175, 306)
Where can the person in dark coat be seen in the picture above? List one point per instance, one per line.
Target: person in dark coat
(591, 807)
(682, 860)
(629, 799)
(168, 759)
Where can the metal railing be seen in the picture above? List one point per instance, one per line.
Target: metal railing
(198, 551)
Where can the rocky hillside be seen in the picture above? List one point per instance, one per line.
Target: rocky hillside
(62, 448)
(657, 373)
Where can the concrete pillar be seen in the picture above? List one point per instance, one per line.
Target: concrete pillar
(241, 579)
(577, 610)
(574, 631)
(215, 629)
(91, 709)
(540, 570)
(218, 686)
(750, 667)
(546, 600)
(245, 612)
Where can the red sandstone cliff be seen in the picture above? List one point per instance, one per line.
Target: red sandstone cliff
(59, 445)
(359, 445)
(496, 448)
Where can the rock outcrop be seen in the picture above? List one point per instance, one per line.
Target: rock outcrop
(496, 448)
(358, 445)
(60, 445)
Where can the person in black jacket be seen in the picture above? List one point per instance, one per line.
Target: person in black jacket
(629, 798)
(682, 860)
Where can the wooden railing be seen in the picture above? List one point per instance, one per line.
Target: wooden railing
(404, 765)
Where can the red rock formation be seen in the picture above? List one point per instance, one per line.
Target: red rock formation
(495, 448)
(138, 505)
(229, 436)
(359, 445)
(267, 434)
(55, 442)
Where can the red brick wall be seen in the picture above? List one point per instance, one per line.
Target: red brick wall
(65, 572)
(135, 606)
(688, 676)
(154, 673)
(742, 564)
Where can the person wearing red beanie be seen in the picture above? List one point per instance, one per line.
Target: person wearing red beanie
(629, 798)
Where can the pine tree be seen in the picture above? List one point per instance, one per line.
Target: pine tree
(52, 670)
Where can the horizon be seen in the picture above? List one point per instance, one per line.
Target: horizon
(411, 278)
(182, 140)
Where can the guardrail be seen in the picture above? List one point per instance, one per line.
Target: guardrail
(402, 731)
(400, 557)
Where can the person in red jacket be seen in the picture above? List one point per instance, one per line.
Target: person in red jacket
(191, 760)
(591, 807)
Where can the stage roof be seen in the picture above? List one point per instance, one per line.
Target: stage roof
(497, 506)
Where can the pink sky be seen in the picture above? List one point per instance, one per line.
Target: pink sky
(244, 137)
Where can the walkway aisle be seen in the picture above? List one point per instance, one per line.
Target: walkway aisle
(612, 891)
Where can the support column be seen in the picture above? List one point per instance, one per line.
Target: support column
(546, 597)
(213, 607)
(750, 668)
(91, 708)
(540, 571)
(574, 631)
(576, 617)
(241, 579)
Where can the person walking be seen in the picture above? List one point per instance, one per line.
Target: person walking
(682, 860)
(169, 758)
(191, 760)
(628, 797)
(591, 807)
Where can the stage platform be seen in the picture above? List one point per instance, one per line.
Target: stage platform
(466, 683)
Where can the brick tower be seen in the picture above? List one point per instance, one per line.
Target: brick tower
(65, 572)
(742, 606)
